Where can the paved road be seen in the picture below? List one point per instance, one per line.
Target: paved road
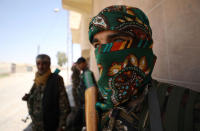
(12, 109)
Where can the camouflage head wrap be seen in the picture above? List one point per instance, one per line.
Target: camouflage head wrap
(122, 18)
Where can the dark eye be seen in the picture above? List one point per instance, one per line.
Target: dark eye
(118, 40)
(96, 45)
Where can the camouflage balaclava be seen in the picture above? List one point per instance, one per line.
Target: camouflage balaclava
(125, 67)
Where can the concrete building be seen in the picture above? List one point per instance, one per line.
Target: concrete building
(9, 68)
(175, 25)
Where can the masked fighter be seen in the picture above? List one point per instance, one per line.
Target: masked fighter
(130, 99)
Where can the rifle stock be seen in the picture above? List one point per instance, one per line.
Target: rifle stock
(90, 111)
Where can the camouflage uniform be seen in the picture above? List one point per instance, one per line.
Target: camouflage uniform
(180, 111)
(35, 106)
(75, 83)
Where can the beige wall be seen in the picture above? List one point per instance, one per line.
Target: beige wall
(176, 29)
(80, 14)
(84, 32)
(8, 68)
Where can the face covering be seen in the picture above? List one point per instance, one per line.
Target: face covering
(123, 72)
(125, 67)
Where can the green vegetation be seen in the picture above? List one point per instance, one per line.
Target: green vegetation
(61, 58)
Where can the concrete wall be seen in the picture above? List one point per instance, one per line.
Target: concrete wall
(176, 29)
(84, 41)
(8, 68)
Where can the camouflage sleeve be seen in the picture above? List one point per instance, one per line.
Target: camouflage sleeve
(30, 101)
(89, 79)
(63, 105)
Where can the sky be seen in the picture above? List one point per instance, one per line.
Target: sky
(26, 25)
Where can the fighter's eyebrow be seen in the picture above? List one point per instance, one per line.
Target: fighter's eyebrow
(116, 35)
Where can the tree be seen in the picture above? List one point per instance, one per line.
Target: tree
(61, 58)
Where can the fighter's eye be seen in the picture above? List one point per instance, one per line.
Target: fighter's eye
(96, 45)
(118, 40)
